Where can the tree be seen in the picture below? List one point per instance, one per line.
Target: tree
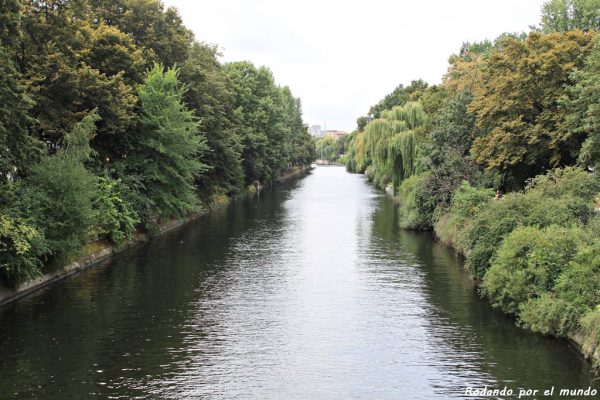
(465, 70)
(22, 247)
(260, 116)
(166, 148)
(390, 143)
(361, 122)
(398, 97)
(518, 107)
(113, 52)
(446, 154)
(327, 149)
(570, 15)
(17, 147)
(159, 33)
(57, 195)
(59, 59)
(300, 147)
(210, 94)
(583, 121)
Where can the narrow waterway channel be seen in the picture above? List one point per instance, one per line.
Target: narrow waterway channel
(308, 291)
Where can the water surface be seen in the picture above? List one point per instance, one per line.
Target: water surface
(308, 291)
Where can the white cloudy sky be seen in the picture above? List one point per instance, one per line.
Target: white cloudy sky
(342, 56)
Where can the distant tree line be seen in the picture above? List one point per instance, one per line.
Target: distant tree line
(114, 118)
(330, 148)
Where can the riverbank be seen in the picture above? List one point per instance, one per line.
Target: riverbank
(586, 342)
(100, 250)
(515, 297)
(327, 162)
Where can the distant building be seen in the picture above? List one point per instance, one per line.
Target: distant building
(336, 134)
(315, 130)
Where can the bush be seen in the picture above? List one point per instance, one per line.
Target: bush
(528, 264)
(548, 277)
(531, 208)
(580, 281)
(417, 202)
(22, 247)
(549, 315)
(59, 198)
(568, 181)
(575, 295)
(114, 216)
(409, 215)
(452, 226)
(590, 324)
(508, 282)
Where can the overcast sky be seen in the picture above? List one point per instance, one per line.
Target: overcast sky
(342, 56)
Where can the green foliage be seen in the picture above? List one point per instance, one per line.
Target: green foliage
(568, 181)
(580, 282)
(477, 226)
(453, 226)
(62, 57)
(590, 327)
(446, 153)
(17, 146)
(361, 122)
(527, 265)
(158, 32)
(96, 137)
(518, 109)
(269, 120)
(583, 104)
(57, 195)
(356, 157)
(327, 148)
(166, 148)
(553, 285)
(549, 315)
(260, 119)
(22, 247)
(493, 224)
(415, 208)
(466, 67)
(210, 94)
(114, 53)
(389, 146)
(445, 157)
(399, 97)
(570, 15)
(299, 145)
(114, 216)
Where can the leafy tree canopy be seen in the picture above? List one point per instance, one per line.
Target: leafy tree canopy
(518, 109)
(570, 15)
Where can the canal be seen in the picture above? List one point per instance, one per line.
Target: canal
(307, 291)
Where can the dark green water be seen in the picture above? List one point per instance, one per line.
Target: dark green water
(309, 291)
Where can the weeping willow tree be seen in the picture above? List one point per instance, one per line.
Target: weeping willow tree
(387, 148)
(356, 160)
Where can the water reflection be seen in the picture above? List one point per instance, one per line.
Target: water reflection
(308, 291)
